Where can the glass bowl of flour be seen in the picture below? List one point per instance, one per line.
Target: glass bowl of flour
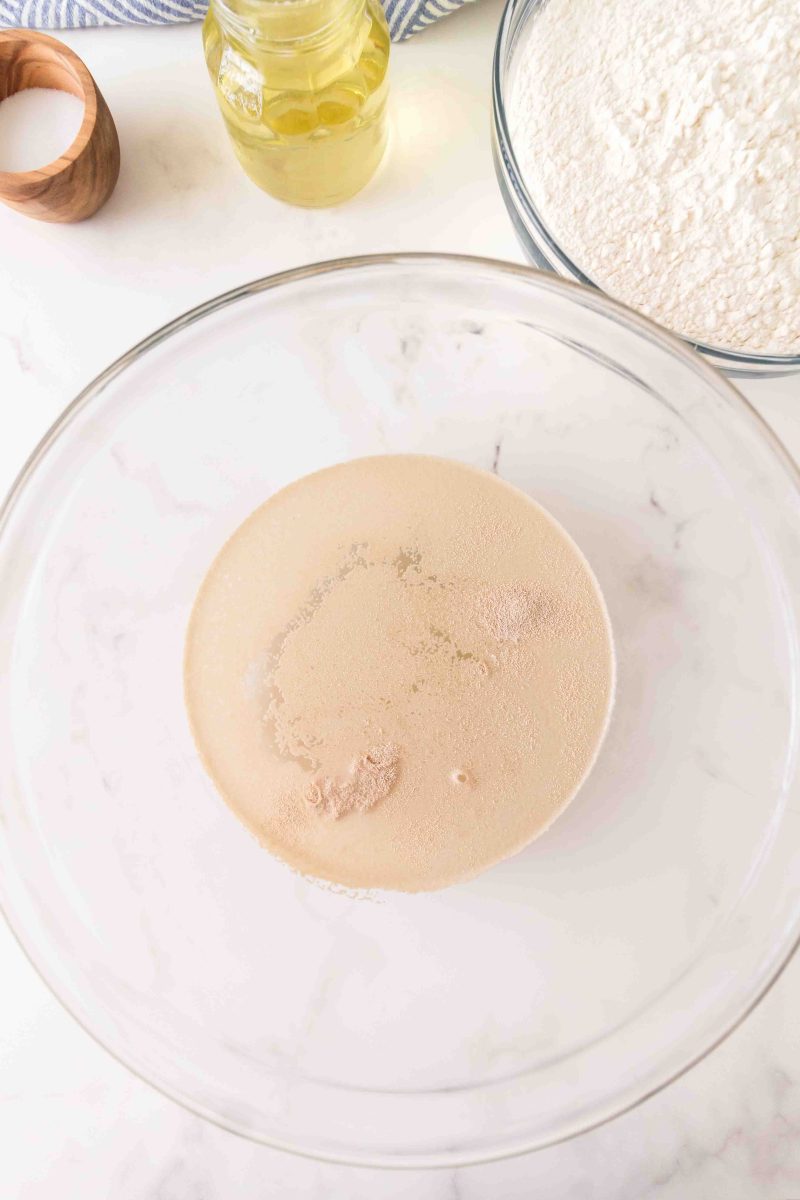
(652, 151)
(555, 989)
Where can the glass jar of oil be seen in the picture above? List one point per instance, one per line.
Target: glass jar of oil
(302, 88)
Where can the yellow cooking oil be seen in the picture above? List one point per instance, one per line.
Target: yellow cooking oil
(302, 87)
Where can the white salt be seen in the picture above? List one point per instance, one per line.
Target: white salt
(36, 127)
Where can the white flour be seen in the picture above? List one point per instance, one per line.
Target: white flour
(660, 140)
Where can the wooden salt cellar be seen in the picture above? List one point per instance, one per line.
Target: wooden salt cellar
(78, 183)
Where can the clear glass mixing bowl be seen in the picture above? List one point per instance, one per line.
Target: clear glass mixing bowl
(543, 250)
(562, 986)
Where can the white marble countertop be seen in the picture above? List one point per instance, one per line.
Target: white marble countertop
(183, 225)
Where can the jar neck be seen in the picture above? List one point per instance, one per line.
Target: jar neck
(289, 27)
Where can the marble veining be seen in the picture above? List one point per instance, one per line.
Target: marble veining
(166, 884)
(76, 1125)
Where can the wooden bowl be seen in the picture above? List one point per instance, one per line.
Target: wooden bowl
(75, 185)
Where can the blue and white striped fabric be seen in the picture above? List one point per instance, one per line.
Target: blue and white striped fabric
(78, 14)
(406, 17)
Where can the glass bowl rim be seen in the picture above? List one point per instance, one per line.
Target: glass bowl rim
(596, 300)
(514, 13)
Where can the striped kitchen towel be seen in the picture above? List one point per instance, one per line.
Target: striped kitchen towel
(406, 17)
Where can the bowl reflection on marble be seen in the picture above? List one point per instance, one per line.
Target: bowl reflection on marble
(558, 988)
